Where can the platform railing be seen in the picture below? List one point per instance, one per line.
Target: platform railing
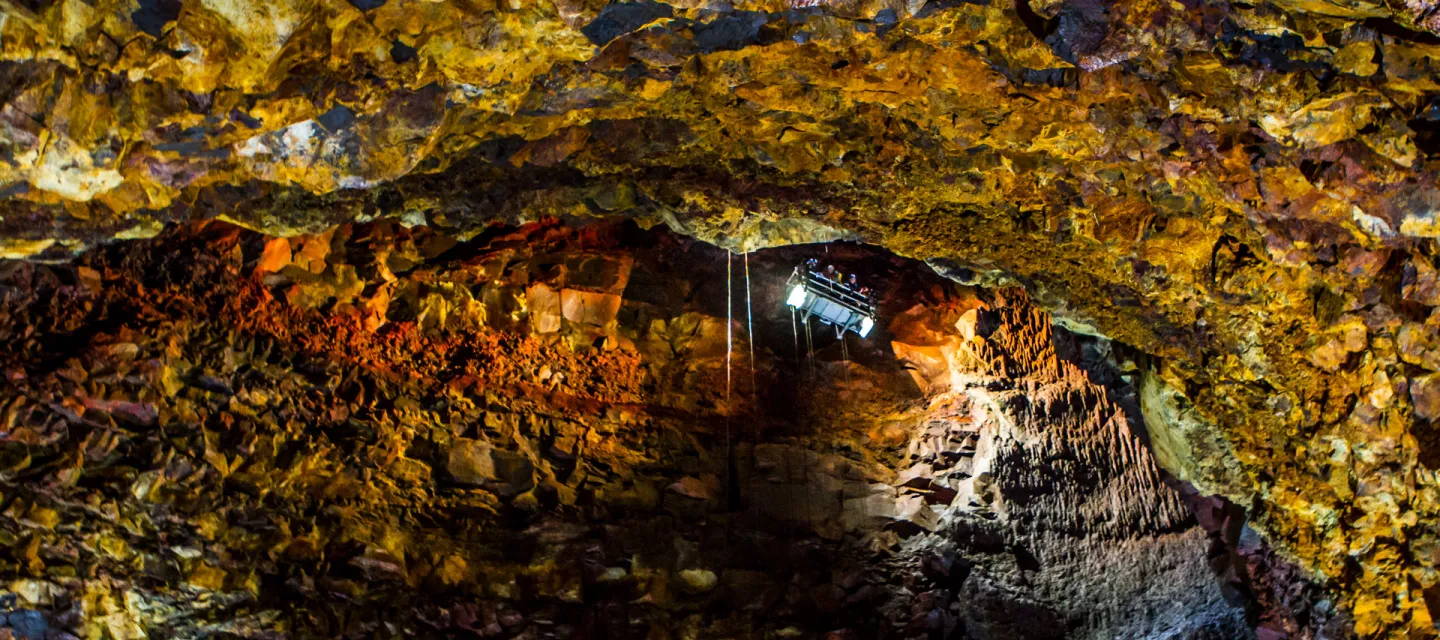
(834, 291)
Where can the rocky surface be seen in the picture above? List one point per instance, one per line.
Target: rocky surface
(1031, 467)
(381, 432)
(1245, 193)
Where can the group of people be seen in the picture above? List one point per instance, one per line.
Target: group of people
(851, 282)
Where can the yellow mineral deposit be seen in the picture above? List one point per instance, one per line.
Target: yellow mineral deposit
(406, 318)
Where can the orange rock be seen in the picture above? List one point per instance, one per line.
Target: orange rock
(275, 256)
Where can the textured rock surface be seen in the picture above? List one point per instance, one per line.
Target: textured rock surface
(1033, 468)
(365, 433)
(1244, 192)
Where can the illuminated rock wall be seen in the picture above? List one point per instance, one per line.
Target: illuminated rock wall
(392, 433)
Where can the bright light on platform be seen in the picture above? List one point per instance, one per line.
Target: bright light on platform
(866, 324)
(797, 296)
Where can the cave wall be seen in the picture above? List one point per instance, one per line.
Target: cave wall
(388, 432)
(1245, 192)
(1044, 480)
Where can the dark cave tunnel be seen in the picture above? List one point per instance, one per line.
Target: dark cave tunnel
(945, 476)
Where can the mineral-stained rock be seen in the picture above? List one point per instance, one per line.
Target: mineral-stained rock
(1055, 458)
(586, 307)
(471, 461)
(1425, 393)
(1217, 185)
(225, 455)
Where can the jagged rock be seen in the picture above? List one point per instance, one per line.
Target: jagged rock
(1425, 393)
(276, 257)
(471, 462)
(1213, 184)
(321, 465)
(1055, 457)
(517, 472)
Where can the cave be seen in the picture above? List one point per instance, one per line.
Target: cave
(473, 319)
(585, 428)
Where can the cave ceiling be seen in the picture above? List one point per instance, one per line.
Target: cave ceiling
(1245, 193)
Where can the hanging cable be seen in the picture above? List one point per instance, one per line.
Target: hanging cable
(750, 340)
(795, 331)
(809, 351)
(729, 333)
(750, 330)
(729, 351)
(810, 346)
(845, 366)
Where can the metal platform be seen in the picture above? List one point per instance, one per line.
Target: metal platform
(830, 302)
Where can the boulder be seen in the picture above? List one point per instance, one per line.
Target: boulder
(471, 462)
(585, 307)
(516, 471)
(699, 580)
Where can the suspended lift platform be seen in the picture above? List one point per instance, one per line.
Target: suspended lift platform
(830, 302)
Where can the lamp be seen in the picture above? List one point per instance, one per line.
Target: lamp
(797, 296)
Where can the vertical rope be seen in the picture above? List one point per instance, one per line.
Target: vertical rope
(729, 351)
(729, 333)
(795, 331)
(845, 364)
(750, 330)
(810, 346)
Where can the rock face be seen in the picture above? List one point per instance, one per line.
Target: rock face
(1031, 468)
(1245, 193)
(368, 432)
